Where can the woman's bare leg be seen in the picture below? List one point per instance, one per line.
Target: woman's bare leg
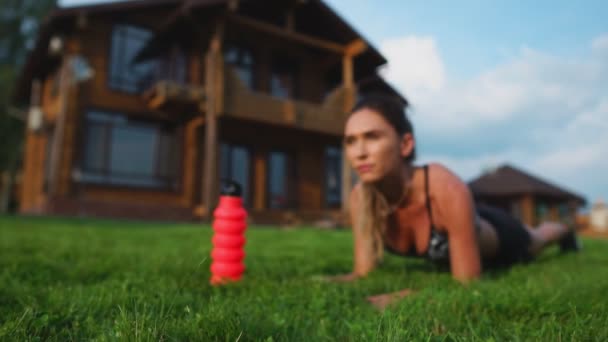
(546, 234)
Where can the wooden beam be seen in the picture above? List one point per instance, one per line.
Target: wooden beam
(348, 81)
(348, 78)
(290, 20)
(233, 5)
(59, 128)
(259, 200)
(281, 32)
(211, 138)
(219, 82)
(527, 206)
(355, 48)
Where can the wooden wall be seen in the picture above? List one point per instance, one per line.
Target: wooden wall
(96, 39)
(527, 205)
(93, 42)
(33, 178)
(306, 148)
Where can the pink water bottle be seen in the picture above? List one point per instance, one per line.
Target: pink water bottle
(228, 240)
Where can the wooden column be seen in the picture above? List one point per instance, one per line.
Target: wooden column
(348, 80)
(259, 185)
(59, 129)
(191, 152)
(290, 19)
(527, 209)
(349, 99)
(554, 212)
(212, 75)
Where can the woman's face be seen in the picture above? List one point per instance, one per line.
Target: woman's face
(373, 147)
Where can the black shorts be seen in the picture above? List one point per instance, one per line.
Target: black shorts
(514, 239)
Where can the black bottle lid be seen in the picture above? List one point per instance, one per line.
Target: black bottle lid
(231, 188)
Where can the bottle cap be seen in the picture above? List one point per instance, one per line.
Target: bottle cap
(231, 188)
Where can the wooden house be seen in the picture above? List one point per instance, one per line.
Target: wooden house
(139, 108)
(525, 196)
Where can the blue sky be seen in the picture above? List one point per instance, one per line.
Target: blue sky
(475, 35)
(491, 82)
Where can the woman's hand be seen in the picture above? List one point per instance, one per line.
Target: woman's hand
(381, 301)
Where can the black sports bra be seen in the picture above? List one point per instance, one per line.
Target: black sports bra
(438, 248)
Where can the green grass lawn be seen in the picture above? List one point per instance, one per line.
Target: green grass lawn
(71, 279)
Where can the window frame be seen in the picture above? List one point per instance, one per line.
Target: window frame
(170, 183)
(241, 48)
(120, 86)
(173, 65)
(287, 62)
(291, 181)
(247, 197)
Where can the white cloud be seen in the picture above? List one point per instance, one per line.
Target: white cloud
(600, 45)
(545, 113)
(416, 65)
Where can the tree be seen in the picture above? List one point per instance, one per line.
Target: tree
(19, 23)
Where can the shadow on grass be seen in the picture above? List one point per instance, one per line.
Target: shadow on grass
(490, 270)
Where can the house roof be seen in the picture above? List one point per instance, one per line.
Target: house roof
(63, 20)
(508, 181)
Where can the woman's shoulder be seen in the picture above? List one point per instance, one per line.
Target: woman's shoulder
(438, 169)
(442, 178)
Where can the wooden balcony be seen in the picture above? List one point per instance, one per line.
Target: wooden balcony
(240, 102)
(172, 96)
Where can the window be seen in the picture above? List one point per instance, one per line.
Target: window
(173, 66)
(241, 60)
(125, 74)
(333, 176)
(541, 212)
(564, 211)
(235, 164)
(331, 84)
(280, 194)
(283, 79)
(125, 152)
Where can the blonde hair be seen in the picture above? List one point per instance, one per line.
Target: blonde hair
(374, 209)
(371, 221)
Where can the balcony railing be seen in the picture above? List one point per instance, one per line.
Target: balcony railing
(240, 101)
(169, 94)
